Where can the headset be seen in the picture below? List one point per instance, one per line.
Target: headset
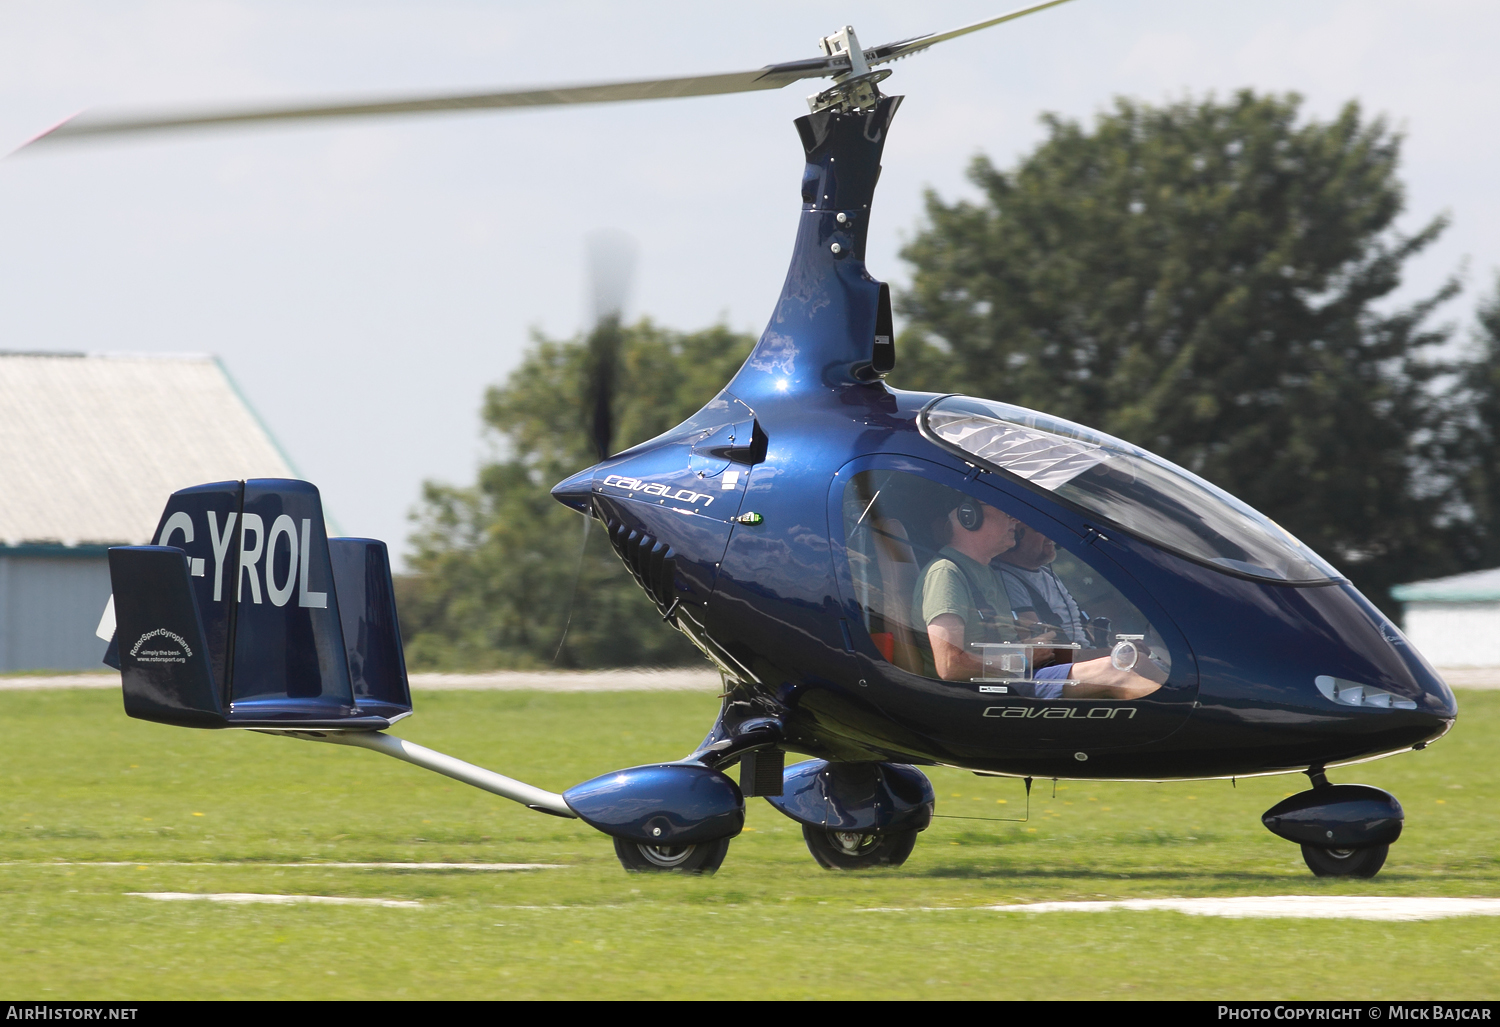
(971, 515)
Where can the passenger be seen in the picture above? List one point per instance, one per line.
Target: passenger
(960, 600)
(1037, 595)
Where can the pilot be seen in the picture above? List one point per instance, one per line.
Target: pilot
(960, 600)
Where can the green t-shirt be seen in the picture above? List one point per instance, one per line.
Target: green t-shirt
(944, 587)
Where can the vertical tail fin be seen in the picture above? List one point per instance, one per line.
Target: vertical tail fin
(165, 663)
(367, 612)
(258, 576)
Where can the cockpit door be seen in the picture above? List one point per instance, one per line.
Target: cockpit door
(892, 515)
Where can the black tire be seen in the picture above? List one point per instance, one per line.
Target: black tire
(1345, 862)
(851, 850)
(702, 858)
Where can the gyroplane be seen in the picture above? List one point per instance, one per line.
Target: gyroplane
(885, 579)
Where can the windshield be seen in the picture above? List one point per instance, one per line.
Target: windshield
(1134, 489)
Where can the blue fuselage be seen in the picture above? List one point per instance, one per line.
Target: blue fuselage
(769, 597)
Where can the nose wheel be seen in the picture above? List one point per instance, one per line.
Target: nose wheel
(701, 858)
(855, 850)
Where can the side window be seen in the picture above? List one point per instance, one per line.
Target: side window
(955, 589)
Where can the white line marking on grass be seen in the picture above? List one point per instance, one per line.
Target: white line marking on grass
(325, 866)
(431, 866)
(279, 900)
(1320, 907)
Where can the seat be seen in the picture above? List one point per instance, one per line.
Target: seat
(898, 575)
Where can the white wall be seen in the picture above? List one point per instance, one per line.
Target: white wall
(1455, 634)
(49, 608)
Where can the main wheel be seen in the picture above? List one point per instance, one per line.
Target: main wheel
(702, 858)
(1345, 862)
(853, 850)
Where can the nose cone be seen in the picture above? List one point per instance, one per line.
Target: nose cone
(575, 490)
(1438, 698)
(1436, 711)
(1416, 686)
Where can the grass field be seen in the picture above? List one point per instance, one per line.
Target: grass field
(81, 786)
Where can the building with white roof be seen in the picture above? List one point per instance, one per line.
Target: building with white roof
(1455, 621)
(91, 446)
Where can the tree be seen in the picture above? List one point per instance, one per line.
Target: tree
(496, 562)
(1475, 440)
(1202, 279)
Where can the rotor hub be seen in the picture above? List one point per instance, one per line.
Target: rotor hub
(854, 90)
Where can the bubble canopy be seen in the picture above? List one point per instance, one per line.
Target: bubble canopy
(1135, 490)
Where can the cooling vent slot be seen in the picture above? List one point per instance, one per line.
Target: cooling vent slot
(653, 563)
(1352, 693)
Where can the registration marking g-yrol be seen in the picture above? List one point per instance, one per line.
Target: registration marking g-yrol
(1060, 712)
(655, 488)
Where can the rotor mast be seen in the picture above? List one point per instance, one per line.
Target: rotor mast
(831, 327)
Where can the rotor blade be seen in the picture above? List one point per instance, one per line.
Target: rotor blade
(773, 76)
(906, 47)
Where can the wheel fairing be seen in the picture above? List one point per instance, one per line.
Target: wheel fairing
(1346, 816)
(862, 797)
(662, 804)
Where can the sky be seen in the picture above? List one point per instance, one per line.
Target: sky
(365, 282)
